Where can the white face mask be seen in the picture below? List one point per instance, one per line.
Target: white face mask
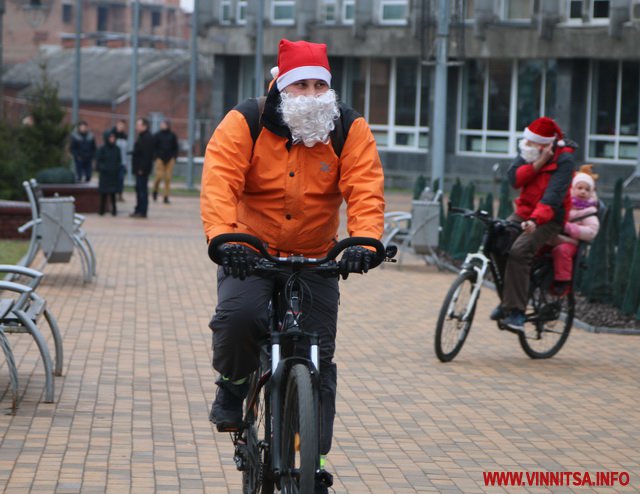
(528, 152)
(310, 118)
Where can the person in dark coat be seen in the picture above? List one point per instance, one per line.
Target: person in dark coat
(166, 153)
(120, 129)
(83, 150)
(141, 165)
(109, 164)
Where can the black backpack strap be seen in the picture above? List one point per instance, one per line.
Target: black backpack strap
(252, 110)
(343, 124)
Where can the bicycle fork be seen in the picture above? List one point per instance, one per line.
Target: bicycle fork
(479, 263)
(289, 329)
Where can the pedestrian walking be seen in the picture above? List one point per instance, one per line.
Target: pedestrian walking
(166, 149)
(83, 150)
(121, 141)
(142, 163)
(109, 164)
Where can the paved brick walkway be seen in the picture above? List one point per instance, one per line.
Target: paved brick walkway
(131, 409)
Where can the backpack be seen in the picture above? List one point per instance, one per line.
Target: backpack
(252, 111)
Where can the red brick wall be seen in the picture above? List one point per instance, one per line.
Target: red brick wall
(14, 214)
(22, 40)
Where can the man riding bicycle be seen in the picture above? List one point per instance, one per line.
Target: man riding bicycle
(542, 171)
(285, 185)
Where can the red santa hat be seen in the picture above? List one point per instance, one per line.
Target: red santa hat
(299, 60)
(543, 130)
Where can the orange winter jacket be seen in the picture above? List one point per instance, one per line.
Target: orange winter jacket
(289, 195)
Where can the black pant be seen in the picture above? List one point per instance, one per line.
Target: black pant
(142, 194)
(103, 201)
(241, 321)
(84, 168)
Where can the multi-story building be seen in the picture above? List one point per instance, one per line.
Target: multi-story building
(31, 24)
(510, 61)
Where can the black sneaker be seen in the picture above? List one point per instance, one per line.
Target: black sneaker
(497, 313)
(324, 480)
(155, 196)
(515, 321)
(226, 410)
(167, 201)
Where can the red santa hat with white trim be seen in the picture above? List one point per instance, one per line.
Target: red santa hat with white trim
(299, 60)
(544, 130)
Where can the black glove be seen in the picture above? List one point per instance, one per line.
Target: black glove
(237, 260)
(356, 259)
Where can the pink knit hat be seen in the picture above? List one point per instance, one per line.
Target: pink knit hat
(583, 177)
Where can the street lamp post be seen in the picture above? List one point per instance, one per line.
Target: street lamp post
(75, 108)
(193, 77)
(439, 127)
(133, 97)
(259, 49)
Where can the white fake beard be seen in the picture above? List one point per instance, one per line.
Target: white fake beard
(310, 118)
(529, 153)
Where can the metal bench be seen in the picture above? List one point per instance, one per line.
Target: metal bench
(56, 230)
(21, 309)
(416, 231)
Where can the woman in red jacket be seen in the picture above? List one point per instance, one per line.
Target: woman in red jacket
(542, 171)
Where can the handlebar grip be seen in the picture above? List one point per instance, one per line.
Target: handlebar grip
(225, 238)
(345, 243)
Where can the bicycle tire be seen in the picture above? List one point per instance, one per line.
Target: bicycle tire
(451, 335)
(545, 334)
(300, 449)
(256, 478)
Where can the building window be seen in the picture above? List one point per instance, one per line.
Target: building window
(225, 12)
(102, 18)
(156, 18)
(67, 13)
(574, 10)
(516, 9)
(469, 12)
(393, 96)
(283, 12)
(328, 13)
(348, 11)
(499, 99)
(241, 12)
(597, 11)
(600, 9)
(393, 12)
(613, 114)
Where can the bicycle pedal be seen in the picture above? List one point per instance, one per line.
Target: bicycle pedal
(223, 427)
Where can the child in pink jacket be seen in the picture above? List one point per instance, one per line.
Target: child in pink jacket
(582, 224)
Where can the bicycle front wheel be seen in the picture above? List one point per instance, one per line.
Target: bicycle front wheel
(256, 477)
(300, 450)
(547, 327)
(456, 316)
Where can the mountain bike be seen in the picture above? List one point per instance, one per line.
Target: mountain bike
(549, 317)
(278, 446)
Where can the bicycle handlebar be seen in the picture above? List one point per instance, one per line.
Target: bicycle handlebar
(484, 216)
(296, 260)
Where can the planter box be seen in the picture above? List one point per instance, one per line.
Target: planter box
(86, 195)
(14, 214)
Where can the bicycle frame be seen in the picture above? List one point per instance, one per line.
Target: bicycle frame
(288, 329)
